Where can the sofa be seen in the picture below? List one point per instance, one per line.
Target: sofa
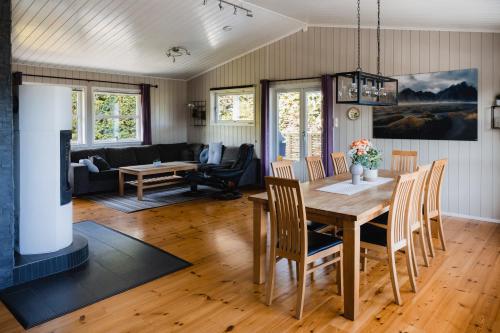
(85, 182)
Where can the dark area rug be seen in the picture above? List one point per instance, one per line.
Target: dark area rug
(117, 262)
(152, 198)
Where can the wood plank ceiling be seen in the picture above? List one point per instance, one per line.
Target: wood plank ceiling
(131, 36)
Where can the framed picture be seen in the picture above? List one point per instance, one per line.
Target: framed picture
(432, 106)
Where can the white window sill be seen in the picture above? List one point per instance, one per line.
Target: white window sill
(106, 145)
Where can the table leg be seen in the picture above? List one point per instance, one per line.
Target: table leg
(351, 269)
(121, 183)
(259, 243)
(139, 187)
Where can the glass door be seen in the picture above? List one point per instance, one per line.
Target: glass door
(298, 126)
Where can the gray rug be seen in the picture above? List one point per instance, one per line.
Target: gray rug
(151, 199)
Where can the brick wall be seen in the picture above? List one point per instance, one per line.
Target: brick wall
(6, 150)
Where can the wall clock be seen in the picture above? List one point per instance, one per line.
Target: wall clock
(353, 113)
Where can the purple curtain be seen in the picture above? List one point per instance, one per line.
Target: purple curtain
(146, 113)
(264, 129)
(327, 137)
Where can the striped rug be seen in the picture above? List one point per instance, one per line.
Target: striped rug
(151, 199)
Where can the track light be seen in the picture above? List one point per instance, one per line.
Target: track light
(236, 7)
(204, 2)
(249, 13)
(220, 5)
(235, 10)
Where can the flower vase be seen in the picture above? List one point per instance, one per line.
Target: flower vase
(356, 172)
(370, 175)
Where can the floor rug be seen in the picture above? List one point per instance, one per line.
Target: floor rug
(128, 203)
(117, 262)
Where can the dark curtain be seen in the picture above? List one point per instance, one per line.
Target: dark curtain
(146, 113)
(327, 137)
(264, 129)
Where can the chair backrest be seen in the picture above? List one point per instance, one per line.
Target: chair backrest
(418, 198)
(404, 161)
(315, 168)
(288, 217)
(432, 198)
(283, 169)
(339, 163)
(400, 210)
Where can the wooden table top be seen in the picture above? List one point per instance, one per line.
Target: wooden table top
(361, 207)
(164, 167)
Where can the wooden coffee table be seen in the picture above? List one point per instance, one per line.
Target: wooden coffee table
(149, 169)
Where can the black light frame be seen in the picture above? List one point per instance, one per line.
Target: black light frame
(358, 76)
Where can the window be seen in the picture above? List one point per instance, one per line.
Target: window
(77, 120)
(116, 117)
(234, 106)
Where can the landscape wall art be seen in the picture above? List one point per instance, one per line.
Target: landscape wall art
(432, 106)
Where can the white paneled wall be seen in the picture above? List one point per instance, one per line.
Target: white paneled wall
(168, 101)
(472, 184)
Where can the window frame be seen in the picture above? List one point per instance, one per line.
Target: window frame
(81, 116)
(116, 91)
(215, 120)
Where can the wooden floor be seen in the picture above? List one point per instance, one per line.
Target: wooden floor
(458, 293)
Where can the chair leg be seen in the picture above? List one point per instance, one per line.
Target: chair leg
(301, 288)
(340, 274)
(364, 260)
(441, 231)
(409, 266)
(271, 277)
(312, 273)
(297, 270)
(394, 278)
(429, 235)
(423, 246)
(413, 254)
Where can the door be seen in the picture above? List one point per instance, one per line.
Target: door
(298, 126)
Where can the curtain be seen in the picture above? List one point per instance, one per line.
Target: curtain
(146, 113)
(264, 129)
(327, 135)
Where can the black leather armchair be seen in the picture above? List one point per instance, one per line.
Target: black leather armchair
(226, 178)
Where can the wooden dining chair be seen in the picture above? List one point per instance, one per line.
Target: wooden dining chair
(397, 234)
(291, 239)
(339, 163)
(283, 169)
(417, 216)
(315, 168)
(404, 161)
(432, 202)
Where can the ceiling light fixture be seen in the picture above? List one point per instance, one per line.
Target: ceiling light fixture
(176, 51)
(363, 88)
(248, 12)
(227, 28)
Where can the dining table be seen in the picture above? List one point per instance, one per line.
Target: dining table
(348, 212)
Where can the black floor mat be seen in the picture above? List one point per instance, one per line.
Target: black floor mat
(117, 262)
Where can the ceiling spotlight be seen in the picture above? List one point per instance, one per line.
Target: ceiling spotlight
(249, 14)
(235, 10)
(227, 28)
(236, 7)
(220, 5)
(204, 2)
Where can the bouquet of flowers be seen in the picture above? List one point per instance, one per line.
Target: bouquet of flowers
(363, 152)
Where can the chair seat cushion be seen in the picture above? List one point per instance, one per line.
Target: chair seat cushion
(381, 219)
(372, 234)
(315, 226)
(318, 242)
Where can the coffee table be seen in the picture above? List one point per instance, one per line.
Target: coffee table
(149, 169)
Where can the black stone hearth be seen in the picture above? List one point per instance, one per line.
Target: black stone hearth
(36, 266)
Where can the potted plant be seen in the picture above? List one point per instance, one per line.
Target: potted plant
(371, 161)
(357, 152)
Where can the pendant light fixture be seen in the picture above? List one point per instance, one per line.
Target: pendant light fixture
(363, 88)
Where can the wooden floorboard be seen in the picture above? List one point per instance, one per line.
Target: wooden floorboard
(458, 293)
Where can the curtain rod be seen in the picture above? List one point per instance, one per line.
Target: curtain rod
(77, 79)
(233, 87)
(297, 79)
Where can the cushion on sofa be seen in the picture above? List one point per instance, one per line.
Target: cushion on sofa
(118, 157)
(77, 155)
(100, 163)
(89, 164)
(171, 151)
(230, 154)
(214, 153)
(196, 148)
(147, 154)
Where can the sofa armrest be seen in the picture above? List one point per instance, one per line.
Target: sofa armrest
(79, 178)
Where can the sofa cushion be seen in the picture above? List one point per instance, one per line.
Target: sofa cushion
(110, 174)
(89, 164)
(196, 148)
(77, 155)
(100, 163)
(214, 153)
(118, 157)
(147, 154)
(171, 152)
(230, 154)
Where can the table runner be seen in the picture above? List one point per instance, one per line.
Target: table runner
(347, 188)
